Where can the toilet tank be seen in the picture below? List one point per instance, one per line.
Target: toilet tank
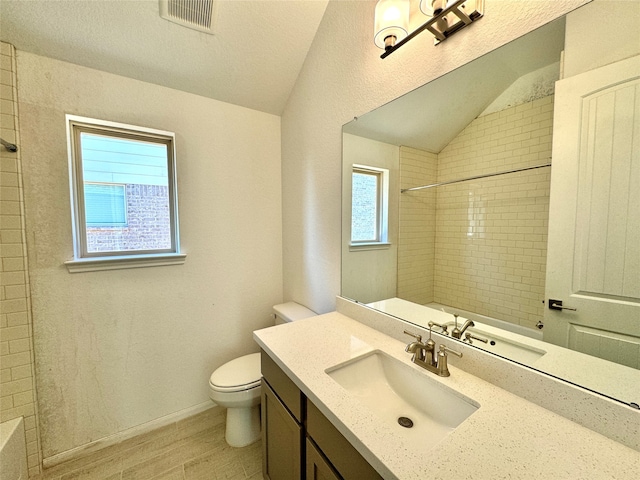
(290, 312)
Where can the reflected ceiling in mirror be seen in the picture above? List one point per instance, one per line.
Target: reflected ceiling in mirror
(429, 117)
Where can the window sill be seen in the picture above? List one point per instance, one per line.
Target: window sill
(121, 262)
(355, 247)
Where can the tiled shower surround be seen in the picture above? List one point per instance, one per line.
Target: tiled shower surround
(417, 232)
(485, 241)
(17, 387)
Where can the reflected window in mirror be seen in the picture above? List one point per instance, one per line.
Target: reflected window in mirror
(369, 205)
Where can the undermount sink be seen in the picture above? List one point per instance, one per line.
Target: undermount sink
(416, 406)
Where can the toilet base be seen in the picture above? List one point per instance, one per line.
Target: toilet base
(243, 426)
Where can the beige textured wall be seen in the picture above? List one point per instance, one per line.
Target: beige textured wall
(617, 22)
(370, 274)
(17, 381)
(344, 77)
(118, 349)
(417, 238)
(491, 240)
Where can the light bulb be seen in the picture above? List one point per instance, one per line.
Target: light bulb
(391, 22)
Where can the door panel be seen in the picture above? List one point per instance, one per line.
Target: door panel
(593, 261)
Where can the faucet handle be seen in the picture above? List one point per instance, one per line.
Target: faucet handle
(443, 327)
(442, 365)
(469, 336)
(417, 337)
(444, 348)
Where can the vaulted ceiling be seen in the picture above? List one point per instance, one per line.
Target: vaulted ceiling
(252, 59)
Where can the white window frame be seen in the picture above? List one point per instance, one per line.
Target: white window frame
(382, 218)
(90, 261)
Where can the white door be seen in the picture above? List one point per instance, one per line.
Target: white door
(593, 260)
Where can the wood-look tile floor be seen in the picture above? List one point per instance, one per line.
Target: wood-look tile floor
(191, 449)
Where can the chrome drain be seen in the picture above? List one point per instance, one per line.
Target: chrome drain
(405, 422)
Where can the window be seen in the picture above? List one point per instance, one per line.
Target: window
(369, 205)
(123, 194)
(105, 205)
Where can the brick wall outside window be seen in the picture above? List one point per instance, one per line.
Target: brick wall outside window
(148, 226)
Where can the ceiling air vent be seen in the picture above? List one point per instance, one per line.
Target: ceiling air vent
(196, 14)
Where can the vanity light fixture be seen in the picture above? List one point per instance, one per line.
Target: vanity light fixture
(391, 22)
(447, 17)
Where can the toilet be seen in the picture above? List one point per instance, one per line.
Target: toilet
(236, 385)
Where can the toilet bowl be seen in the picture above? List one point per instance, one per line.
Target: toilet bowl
(236, 385)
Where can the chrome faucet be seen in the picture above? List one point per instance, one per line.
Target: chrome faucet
(457, 332)
(421, 349)
(425, 355)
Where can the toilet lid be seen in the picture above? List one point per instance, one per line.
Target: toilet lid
(242, 373)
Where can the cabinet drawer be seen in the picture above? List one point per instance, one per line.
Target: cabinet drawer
(283, 386)
(342, 455)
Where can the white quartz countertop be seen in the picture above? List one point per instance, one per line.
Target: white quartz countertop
(507, 437)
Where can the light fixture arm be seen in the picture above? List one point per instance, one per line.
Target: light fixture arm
(431, 24)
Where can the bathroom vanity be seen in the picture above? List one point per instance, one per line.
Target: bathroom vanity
(298, 439)
(317, 413)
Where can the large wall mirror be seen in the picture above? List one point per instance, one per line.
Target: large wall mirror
(498, 191)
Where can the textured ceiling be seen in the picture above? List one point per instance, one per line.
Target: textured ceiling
(253, 60)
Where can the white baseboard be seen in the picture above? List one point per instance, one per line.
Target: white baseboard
(126, 434)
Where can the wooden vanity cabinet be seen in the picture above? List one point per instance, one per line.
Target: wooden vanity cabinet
(344, 458)
(298, 441)
(317, 466)
(282, 406)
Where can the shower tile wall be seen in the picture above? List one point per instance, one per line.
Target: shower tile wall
(417, 226)
(491, 234)
(484, 241)
(17, 387)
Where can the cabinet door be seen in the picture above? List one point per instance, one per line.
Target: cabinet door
(282, 439)
(317, 467)
(349, 464)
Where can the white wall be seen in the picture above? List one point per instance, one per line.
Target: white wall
(344, 77)
(115, 349)
(370, 274)
(604, 32)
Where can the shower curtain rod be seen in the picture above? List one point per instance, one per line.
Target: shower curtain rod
(473, 178)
